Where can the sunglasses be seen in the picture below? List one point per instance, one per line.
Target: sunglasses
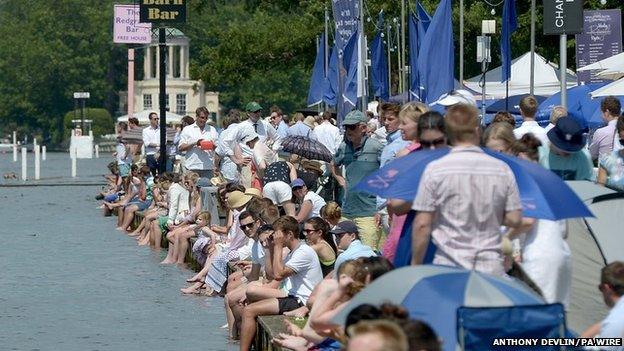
(427, 144)
(308, 231)
(351, 126)
(246, 226)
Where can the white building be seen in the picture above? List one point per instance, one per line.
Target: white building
(184, 95)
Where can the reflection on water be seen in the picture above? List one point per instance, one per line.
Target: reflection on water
(69, 281)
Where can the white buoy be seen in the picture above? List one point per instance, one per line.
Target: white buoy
(97, 151)
(14, 153)
(24, 164)
(43, 152)
(37, 163)
(73, 163)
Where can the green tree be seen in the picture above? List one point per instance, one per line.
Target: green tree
(102, 121)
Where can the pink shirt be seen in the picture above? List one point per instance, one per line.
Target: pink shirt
(390, 245)
(469, 192)
(604, 140)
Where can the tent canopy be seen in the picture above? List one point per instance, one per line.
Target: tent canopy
(616, 89)
(593, 242)
(143, 117)
(546, 78)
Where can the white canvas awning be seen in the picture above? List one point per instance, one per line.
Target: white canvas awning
(143, 117)
(616, 89)
(546, 79)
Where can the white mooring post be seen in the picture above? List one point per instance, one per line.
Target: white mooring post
(37, 163)
(73, 162)
(14, 153)
(97, 151)
(24, 164)
(43, 152)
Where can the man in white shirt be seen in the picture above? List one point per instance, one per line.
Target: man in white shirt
(151, 140)
(300, 270)
(328, 134)
(528, 109)
(265, 130)
(198, 141)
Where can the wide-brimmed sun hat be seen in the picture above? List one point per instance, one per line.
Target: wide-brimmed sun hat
(567, 135)
(237, 199)
(253, 192)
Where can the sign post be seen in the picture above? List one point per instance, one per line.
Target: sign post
(563, 17)
(82, 97)
(162, 13)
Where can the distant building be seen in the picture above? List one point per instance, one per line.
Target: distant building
(184, 95)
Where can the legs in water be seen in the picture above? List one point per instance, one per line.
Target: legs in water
(183, 244)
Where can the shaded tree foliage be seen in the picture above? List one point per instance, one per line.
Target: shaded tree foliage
(245, 49)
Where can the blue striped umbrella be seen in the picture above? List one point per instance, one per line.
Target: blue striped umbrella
(434, 293)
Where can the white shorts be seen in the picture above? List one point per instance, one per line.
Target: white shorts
(278, 192)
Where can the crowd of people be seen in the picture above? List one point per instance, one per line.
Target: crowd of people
(295, 237)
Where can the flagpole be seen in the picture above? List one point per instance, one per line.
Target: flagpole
(399, 64)
(326, 45)
(532, 81)
(461, 43)
(388, 39)
(363, 55)
(403, 73)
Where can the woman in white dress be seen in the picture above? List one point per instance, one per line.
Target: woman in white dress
(546, 257)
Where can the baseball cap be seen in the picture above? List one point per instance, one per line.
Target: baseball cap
(354, 117)
(459, 96)
(345, 227)
(297, 183)
(253, 107)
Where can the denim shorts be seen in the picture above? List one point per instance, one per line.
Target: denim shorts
(142, 205)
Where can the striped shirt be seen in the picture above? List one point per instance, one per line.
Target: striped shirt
(470, 192)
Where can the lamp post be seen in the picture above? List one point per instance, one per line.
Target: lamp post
(484, 57)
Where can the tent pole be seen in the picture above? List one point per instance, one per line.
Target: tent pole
(532, 81)
(507, 95)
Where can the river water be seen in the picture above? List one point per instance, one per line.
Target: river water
(70, 281)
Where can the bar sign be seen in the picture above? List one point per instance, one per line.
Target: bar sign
(163, 11)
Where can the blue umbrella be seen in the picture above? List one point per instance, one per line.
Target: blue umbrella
(581, 107)
(434, 293)
(514, 104)
(542, 193)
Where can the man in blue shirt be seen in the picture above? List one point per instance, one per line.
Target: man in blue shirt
(390, 113)
(348, 239)
(612, 288)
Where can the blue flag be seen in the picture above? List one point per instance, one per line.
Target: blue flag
(510, 24)
(350, 64)
(318, 81)
(417, 28)
(331, 88)
(379, 64)
(436, 59)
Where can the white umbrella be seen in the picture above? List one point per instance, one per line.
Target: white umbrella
(609, 63)
(616, 89)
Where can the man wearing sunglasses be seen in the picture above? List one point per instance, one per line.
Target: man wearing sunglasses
(360, 156)
(612, 288)
(151, 140)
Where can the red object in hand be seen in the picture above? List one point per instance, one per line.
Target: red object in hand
(207, 145)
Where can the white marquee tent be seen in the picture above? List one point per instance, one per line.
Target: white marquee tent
(546, 78)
